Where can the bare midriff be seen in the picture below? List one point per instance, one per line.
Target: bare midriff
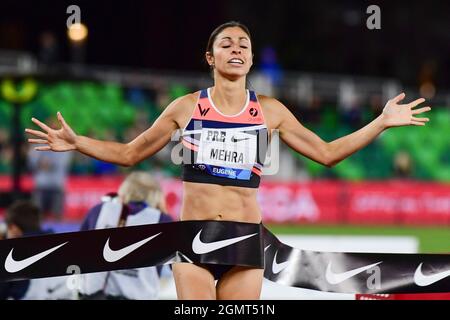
(202, 201)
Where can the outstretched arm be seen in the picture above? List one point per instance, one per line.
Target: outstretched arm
(312, 146)
(126, 154)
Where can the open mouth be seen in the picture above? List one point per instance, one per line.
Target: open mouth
(236, 61)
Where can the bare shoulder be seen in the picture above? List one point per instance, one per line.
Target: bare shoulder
(269, 102)
(272, 109)
(182, 103)
(181, 109)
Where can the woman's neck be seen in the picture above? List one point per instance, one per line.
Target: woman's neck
(229, 95)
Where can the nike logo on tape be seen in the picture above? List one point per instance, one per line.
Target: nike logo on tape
(200, 247)
(111, 255)
(234, 139)
(278, 267)
(423, 280)
(12, 265)
(336, 278)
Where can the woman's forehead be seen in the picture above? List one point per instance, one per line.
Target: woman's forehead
(233, 33)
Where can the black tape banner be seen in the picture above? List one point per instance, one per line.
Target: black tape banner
(222, 242)
(355, 272)
(132, 247)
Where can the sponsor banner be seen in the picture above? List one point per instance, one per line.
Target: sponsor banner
(222, 243)
(383, 202)
(399, 202)
(82, 193)
(300, 202)
(6, 183)
(387, 202)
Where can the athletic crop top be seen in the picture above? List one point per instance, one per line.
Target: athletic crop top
(222, 149)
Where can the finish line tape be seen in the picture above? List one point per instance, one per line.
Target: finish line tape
(222, 242)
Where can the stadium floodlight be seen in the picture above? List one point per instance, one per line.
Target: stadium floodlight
(77, 32)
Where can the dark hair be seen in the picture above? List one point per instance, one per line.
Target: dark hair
(25, 215)
(219, 29)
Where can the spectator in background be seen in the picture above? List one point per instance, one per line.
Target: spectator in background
(349, 105)
(402, 165)
(375, 107)
(23, 219)
(81, 165)
(270, 66)
(426, 78)
(105, 168)
(49, 170)
(3, 230)
(5, 152)
(140, 200)
(312, 114)
(268, 79)
(48, 48)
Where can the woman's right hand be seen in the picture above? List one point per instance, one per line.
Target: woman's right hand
(54, 140)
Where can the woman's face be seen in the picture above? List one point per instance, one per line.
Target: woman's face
(232, 53)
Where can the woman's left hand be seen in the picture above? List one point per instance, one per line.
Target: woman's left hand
(395, 114)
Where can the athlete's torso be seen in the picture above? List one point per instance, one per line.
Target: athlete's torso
(223, 157)
(223, 149)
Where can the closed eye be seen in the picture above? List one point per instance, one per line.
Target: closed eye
(244, 47)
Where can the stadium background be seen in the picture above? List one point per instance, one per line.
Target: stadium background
(319, 58)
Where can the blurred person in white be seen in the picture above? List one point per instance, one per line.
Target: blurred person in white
(49, 170)
(403, 167)
(23, 219)
(139, 201)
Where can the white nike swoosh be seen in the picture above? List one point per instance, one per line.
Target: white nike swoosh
(200, 247)
(335, 278)
(111, 255)
(425, 280)
(12, 265)
(265, 249)
(277, 267)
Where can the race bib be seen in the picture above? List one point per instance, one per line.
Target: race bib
(227, 148)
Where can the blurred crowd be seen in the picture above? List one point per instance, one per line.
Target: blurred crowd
(328, 120)
(112, 112)
(139, 200)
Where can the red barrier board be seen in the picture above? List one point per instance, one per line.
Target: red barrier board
(382, 202)
(399, 202)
